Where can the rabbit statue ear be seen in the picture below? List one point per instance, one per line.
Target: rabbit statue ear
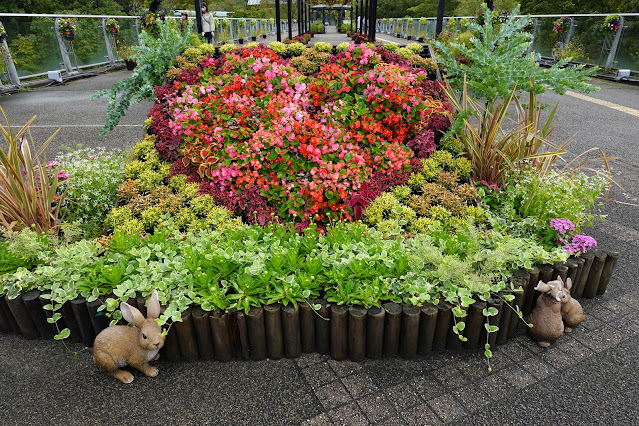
(153, 310)
(542, 287)
(568, 283)
(131, 314)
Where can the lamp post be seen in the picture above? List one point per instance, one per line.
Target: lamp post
(278, 20)
(198, 16)
(290, 19)
(440, 16)
(299, 17)
(373, 21)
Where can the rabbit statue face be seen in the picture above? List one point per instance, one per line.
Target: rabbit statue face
(149, 332)
(556, 292)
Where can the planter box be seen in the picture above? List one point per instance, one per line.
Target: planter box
(277, 331)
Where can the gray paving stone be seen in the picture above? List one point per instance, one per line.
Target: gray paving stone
(333, 395)
(344, 368)
(450, 377)
(359, 385)
(618, 306)
(348, 415)
(306, 360)
(539, 368)
(319, 374)
(601, 312)
(321, 420)
(403, 396)
(420, 415)
(493, 385)
(428, 387)
(377, 407)
(447, 408)
(517, 376)
(556, 358)
(514, 351)
(471, 397)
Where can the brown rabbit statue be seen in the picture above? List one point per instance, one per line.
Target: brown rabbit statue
(547, 325)
(571, 309)
(121, 345)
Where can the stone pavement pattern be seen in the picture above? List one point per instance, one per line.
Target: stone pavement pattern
(587, 377)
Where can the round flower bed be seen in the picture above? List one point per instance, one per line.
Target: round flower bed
(305, 143)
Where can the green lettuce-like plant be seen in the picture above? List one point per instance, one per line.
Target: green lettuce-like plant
(28, 189)
(497, 61)
(155, 56)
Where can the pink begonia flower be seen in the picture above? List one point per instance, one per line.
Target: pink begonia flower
(63, 175)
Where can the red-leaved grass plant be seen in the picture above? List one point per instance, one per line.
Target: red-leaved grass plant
(28, 188)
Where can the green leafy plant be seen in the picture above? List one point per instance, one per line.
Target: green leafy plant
(155, 57)
(93, 177)
(29, 196)
(497, 62)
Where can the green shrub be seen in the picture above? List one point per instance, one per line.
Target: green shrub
(278, 47)
(405, 53)
(343, 47)
(94, 176)
(227, 48)
(155, 57)
(323, 47)
(415, 47)
(295, 49)
(391, 46)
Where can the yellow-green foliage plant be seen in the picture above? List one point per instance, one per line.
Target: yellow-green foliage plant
(436, 197)
(146, 199)
(28, 189)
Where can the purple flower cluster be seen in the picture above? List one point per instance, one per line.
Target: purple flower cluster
(580, 244)
(562, 225)
(573, 244)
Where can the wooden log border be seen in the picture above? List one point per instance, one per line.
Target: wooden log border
(355, 333)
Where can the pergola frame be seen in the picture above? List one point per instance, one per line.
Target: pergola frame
(323, 8)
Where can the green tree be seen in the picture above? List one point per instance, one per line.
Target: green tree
(428, 9)
(469, 7)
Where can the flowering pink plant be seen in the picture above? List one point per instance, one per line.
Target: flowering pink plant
(305, 143)
(573, 244)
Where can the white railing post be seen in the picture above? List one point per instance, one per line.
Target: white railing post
(8, 60)
(615, 46)
(63, 48)
(109, 43)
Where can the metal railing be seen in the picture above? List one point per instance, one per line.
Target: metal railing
(585, 38)
(34, 47)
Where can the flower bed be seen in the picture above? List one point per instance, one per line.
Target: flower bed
(250, 120)
(237, 208)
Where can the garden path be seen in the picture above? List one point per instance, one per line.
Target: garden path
(590, 376)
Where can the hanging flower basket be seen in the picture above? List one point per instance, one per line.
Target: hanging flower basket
(611, 24)
(3, 33)
(112, 26)
(561, 25)
(67, 28)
